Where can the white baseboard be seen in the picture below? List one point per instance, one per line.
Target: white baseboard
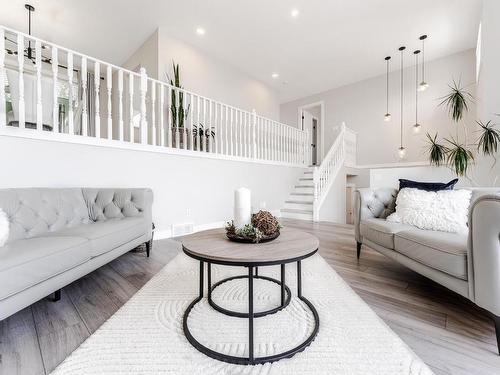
(167, 233)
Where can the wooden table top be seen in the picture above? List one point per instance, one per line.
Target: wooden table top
(213, 245)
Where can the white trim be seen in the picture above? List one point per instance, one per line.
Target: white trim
(320, 154)
(393, 165)
(10, 131)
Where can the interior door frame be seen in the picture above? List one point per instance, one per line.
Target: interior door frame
(320, 147)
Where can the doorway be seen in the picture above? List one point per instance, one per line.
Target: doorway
(311, 120)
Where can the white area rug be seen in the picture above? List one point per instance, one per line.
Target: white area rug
(145, 336)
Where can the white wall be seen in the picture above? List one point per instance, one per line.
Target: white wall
(204, 74)
(186, 189)
(389, 177)
(334, 205)
(362, 106)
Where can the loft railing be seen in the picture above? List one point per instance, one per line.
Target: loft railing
(51, 92)
(341, 153)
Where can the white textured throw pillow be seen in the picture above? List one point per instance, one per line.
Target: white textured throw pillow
(444, 210)
(4, 228)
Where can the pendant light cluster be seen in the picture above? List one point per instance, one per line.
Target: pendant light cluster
(420, 85)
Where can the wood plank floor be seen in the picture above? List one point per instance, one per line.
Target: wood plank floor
(448, 332)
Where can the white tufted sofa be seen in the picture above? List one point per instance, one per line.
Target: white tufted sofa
(59, 235)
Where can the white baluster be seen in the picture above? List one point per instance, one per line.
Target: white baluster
(144, 90)
(170, 115)
(209, 126)
(184, 122)
(191, 128)
(153, 114)
(85, 117)
(38, 62)
(71, 128)
(217, 128)
(254, 134)
(198, 125)
(120, 104)
(3, 109)
(226, 143)
(131, 107)
(177, 118)
(109, 86)
(55, 96)
(20, 62)
(97, 85)
(162, 115)
(245, 135)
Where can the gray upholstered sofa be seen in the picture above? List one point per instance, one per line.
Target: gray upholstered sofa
(59, 235)
(468, 264)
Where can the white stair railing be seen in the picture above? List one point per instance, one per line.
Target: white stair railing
(335, 159)
(63, 95)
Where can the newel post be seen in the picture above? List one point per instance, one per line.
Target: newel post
(144, 90)
(316, 192)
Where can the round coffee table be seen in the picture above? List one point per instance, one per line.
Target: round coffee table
(213, 247)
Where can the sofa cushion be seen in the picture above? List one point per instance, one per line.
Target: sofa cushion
(446, 252)
(33, 211)
(106, 235)
(27, 262)
(381, 231)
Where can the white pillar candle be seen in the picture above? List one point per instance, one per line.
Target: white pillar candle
(242, 207)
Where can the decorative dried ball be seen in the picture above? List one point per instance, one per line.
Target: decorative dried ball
(265, 222)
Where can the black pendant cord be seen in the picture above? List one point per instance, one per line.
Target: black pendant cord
(387, 84)
(401, 49)
(416, 86)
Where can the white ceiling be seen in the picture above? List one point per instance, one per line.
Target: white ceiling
(331, 43)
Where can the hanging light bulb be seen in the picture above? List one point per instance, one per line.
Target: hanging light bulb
(416, 127)
(423, 85)
(401, 149)
(387, 116)
(402, 153)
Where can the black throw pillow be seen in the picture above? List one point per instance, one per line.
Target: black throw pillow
(427, 186)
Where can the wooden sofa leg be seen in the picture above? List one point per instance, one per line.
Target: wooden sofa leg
(149, 244)
(358, 249)
(57, 295)
(497, 331)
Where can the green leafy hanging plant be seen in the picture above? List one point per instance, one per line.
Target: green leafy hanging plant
(456, 101)
(437, 151)
(489, 139)
(459, 157)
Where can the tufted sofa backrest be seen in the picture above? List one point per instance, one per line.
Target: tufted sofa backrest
(33, 211)
(104, 204)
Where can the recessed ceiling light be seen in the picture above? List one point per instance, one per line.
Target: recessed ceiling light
(275, 75)
(200, 31)
(294, 12)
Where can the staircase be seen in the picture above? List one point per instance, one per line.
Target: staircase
(304, 203)
(299, 204)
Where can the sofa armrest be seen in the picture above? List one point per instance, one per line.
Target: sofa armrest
(110, 203)
(372, 203)
(484, 252)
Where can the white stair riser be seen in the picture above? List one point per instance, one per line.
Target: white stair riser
(299, 206)
(301, 198)
(299, 216)
(304, 189)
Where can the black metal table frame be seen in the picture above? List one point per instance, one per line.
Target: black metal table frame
(285, 300)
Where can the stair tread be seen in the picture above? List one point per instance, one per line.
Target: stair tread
(306, 194)
(296, 211)
(304, 186)
(305, 179)
(298, 202)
